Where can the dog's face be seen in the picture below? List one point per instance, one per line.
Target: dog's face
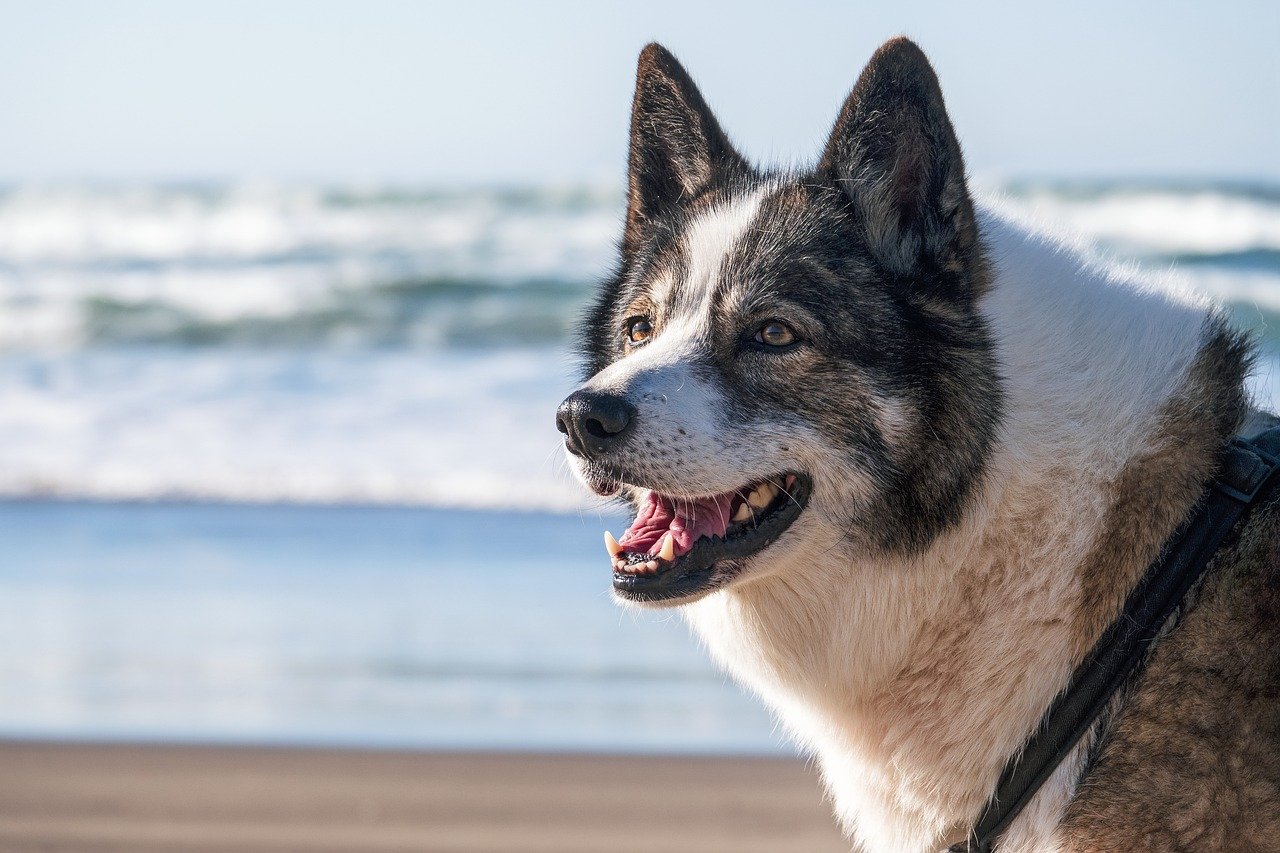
(786, 360)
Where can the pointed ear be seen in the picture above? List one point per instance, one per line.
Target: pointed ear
(677, 147)
(896, 157)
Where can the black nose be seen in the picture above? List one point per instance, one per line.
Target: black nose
(593, 421)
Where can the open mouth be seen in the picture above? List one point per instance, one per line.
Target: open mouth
(680, 547)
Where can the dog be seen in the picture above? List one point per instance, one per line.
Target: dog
(899, 459)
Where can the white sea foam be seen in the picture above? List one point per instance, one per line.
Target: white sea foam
(442, 429)
(76, 264)
(545, 231)
(386, 346)
(1149, 221)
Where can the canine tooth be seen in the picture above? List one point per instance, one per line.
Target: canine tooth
(611, 545)
(743, 512)
(761, 495)
(668, 551)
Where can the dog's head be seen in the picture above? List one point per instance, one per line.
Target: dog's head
(786, 359)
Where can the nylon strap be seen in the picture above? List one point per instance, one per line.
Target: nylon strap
(1246, 474)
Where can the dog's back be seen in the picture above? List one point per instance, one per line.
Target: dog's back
(1192, 760)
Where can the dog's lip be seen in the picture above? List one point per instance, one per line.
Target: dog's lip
(715, 561)
(604, 485)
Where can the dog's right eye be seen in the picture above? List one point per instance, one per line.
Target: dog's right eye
(639, 330)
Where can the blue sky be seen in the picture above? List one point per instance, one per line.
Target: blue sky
(539, 91)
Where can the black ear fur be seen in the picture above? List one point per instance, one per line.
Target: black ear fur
(677, 147)
(895, 155)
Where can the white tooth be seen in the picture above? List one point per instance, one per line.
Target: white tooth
(743, 513)
(611, 545)
(761, 496)
(668, 551)
(651, 566)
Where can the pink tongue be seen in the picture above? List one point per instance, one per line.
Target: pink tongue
(686, 523)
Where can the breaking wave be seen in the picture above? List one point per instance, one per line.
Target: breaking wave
(393, 345)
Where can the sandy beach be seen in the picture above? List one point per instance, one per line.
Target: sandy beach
(58, 796)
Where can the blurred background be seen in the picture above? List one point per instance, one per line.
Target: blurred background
(286, 292)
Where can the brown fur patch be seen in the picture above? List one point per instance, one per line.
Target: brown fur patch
(1193, 761)
(1155, 491)
(1193, 764)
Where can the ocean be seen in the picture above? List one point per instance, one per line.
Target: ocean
(262, 448)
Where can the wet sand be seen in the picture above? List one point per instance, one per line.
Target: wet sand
(58, 796)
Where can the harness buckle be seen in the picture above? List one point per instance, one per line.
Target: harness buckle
(1246, 467)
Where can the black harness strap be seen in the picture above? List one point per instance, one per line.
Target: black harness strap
(1247, 472)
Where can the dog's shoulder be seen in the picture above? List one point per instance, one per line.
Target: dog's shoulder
(1193, 761)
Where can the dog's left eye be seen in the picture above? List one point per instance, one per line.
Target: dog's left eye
(639, 330)
(775, 334)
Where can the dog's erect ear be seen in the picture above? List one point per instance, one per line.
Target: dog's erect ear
(895, 155)
(677, 147)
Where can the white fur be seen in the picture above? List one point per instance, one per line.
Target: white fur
(676, 407)
(709, 240)
(847, 654)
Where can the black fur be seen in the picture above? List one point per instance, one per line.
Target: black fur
(677, 147)
(874, 253)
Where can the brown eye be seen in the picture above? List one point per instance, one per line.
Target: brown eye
(775, 334)
(639, 330)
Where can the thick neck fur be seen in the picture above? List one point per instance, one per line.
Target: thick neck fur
(913, 680)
